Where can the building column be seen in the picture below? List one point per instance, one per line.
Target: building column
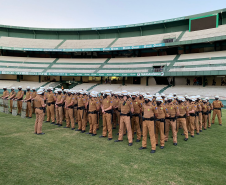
(18, 78)
(147, 80)
(123, 80)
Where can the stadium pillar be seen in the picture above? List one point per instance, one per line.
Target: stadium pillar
(203, 81)
(39, 79)
(174, 81)
(123, 80)
(101, 80)
(147, 80)
(18, 78)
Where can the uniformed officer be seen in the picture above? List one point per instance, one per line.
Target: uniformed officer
(192, 114)
(51, 98)
(69, 105)
(5, 93)
(173, 112)
(75, 107)
(94, 107)
(217, 105)
(106, 107)
(28, 100)
(59, 107)
(39, 112)
(12, 95)
(135, 118)
(181, 119)
(33, 95)
(205, 110)
(126, 110)
(149, 114)
(19, 98)
(160, 122)
(210, 108)
(81, 112)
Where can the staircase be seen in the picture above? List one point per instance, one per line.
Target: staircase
(164, 88)
(92, 87)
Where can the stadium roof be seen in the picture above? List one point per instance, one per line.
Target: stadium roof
(116, 27)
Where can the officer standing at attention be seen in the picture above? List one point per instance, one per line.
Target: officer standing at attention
(191, 110)
(135, 118)
(19, 98)
(181, 119)
(69, 105)
(149, 114)
(39, 112)
(51, 98)
(28, 100)
(160, 122)
(33, 95)
(94, 107)
(11, 97)
(126, 110)
(217, 105)
(173, 112)
(59, 108)
(106, 107)
(5, 93)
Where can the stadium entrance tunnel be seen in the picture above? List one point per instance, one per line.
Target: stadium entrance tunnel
(161, 80)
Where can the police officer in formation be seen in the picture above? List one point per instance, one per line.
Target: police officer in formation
(135, 112)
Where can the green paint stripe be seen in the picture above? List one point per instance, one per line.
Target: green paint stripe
(18, 62)
(101, 66)
(112, 43)
(60, 44)
(21, 67)
(180, 36)
(164, 88)
(49, 67)
(89, 89)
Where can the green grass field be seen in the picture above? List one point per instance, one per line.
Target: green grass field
(63, 156)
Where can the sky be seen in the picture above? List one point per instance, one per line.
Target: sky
(98, 13)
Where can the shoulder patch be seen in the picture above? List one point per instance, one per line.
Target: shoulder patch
(130, 103)
(195, 106)
(97, 101)
(111, 101)
(156, 108)
(141, 103)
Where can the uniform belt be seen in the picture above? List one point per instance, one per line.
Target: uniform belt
(192, 114)
(128, 114)
(50, 103)
(206, 113)
(81, 108)
(94, 112)
(149, 119)
(184, 116)
(108, 111)
(116, 108)
(75, 105)
(136, 115)
(161, 120)
(217, 108)
(59, 105)
(41, 108)
(70, 107)
(171, 118)
(119, 110)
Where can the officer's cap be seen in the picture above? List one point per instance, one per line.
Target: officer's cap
(217, 97)
(159, 98)
(124, 93)
(39, 92)
(207, 98)
(33, 88)
(163, 95)
(28, 87)
(19, 87)
(5, 87)
(13, 88)
(170, 97)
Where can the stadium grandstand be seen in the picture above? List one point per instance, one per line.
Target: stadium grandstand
(161, 56)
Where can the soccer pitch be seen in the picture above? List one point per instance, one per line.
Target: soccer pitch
(63, 156)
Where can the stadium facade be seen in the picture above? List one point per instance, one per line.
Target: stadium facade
(173, 51)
